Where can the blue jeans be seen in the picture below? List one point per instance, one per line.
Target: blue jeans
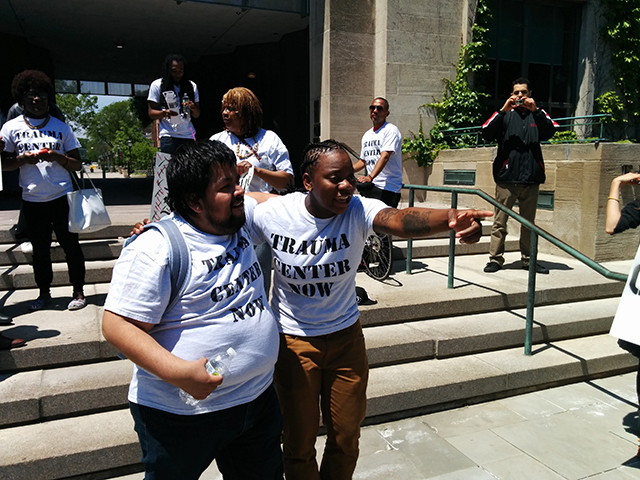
(244, 440)
(170, 144)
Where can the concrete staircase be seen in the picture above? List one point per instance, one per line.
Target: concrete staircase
(63, 406)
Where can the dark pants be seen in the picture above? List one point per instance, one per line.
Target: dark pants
(390, 198)
(244, 440)
(42, 218)
(171, 144)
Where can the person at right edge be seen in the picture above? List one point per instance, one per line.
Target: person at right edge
(617, 221)
(518, 168)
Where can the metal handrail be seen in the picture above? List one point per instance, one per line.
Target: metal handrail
(535, 232)
(476, 130)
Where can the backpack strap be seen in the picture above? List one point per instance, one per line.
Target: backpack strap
(179, 257)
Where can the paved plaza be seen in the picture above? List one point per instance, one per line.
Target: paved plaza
(586, 430)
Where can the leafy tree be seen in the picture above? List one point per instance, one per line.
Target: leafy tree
(621, 32)
(78, 109)
(109, 120)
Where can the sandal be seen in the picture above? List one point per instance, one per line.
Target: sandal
(78, 302)
(9, 343)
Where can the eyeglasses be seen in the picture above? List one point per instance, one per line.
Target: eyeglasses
(32, 94)
(229, 109)
(377, 108)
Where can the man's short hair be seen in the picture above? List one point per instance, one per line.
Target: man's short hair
(190, 172)
(521, 81)
(386, 103)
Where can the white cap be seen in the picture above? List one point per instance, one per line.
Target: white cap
(231, 352)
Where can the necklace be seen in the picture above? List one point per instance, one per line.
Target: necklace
(36, 127)
(253, 150)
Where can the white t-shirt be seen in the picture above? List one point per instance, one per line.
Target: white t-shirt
(184, 129)
(386, 139)
(224, 305)
(273, 154)
(314, 261)
(44, 181)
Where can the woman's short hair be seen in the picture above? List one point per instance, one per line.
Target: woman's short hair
(245, 102)
(31, 80)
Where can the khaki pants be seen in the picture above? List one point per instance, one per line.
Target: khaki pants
(507, 194)
(327, 373)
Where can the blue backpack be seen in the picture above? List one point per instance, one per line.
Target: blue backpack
(179, 257)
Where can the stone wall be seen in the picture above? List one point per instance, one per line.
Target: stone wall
(398, 49)
(578, 174)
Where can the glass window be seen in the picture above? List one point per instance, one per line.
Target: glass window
(536, 40)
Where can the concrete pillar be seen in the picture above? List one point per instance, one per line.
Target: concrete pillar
(398, 49)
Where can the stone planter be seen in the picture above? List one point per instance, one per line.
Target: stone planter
(414, 175)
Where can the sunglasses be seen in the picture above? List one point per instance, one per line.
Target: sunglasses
(377, 108)
(33, 94)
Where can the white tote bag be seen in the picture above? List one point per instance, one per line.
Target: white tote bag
(87, 212)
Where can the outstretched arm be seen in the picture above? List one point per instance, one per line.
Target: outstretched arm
(613, 202)
(418, 222)
(132, 339)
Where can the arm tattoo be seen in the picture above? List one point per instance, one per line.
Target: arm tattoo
(416, 223)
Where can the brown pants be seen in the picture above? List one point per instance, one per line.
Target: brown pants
(327, 373)
(507, 194)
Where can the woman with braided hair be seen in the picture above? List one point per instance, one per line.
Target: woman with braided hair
(317, 237)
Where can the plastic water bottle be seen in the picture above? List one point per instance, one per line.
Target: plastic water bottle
(217, 365)
(186, 111)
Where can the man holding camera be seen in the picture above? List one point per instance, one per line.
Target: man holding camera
(518, 168)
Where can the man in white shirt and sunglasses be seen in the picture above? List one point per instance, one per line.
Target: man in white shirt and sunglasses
(381, 154)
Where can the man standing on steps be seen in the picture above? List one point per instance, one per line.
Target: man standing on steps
(518, 168)
(381, 155)
(223, 304)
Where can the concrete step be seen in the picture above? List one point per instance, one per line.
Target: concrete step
(105, 441)
(401, 390)
(58, 337)
(38, 395)
(21, 276)
(102, 249)
(439, 247)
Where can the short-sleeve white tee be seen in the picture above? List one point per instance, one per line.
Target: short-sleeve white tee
(314, 261)
(184, 129)
(386, 139)
(43, 181)
(224, 305)
(273, 154)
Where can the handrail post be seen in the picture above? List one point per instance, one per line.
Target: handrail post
(452, 244)
(410, 240)
(531, 292)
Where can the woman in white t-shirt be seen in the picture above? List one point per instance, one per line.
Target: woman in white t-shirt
(258, 148)
(46, 151)
(317, 238)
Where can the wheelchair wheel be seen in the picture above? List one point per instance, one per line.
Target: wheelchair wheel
(377, 256)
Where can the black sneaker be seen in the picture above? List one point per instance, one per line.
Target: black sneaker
(492, 267)
(539, 268)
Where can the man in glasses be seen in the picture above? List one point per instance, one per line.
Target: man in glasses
(381, 154)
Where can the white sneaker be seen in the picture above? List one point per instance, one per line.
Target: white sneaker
(26, 247)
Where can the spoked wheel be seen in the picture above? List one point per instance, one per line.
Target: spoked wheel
(377, 255)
